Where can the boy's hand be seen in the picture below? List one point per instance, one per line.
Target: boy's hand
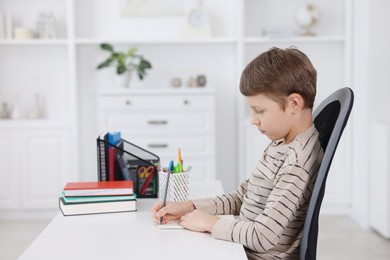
(172, 211)
(198, 220)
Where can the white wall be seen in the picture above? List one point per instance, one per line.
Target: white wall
(359, 116)
(371, 85)
(378, 105)
(379, 59)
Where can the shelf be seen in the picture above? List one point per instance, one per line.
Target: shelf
(317, 39)
(32, 123)
(177, 41)
(121, 41)
(157, 91)
(35, 42)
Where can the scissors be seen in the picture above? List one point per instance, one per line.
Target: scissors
(145, 171)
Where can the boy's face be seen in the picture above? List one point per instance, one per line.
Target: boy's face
(269, 117)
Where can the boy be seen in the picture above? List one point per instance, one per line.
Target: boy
(280, 86)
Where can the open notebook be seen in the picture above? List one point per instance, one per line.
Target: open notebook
(174, 225)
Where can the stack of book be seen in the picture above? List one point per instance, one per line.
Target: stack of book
(80, 198)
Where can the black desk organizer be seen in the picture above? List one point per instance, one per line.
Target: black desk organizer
(127, 161)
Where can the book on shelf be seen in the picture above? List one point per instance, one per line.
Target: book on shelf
(99, 188)
(72, 209)
(2, 26)
(6, 26)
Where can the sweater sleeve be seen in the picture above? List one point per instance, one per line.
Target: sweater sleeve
(225, 204)
(289, 193)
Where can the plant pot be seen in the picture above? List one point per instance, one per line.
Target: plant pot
(123, 80)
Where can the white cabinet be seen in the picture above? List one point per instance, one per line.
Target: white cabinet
(34, 165)
(10, 193)
(162, 122)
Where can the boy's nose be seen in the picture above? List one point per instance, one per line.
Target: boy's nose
(255, 121)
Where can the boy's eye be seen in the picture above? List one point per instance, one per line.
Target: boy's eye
(259, 111)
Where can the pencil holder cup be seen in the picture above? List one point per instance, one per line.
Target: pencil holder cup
(177, 186)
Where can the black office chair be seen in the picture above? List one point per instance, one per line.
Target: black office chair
(330, 119)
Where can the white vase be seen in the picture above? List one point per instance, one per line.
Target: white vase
(123, 80)
(37, 110)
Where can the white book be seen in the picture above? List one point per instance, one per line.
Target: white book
(8, 26)
(71, 209)
(2, 26)
(98, 192)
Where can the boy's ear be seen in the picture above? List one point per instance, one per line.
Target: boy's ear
(295, 102)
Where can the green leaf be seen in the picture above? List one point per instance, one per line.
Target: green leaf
(131, 52)
(144, 64)
(114, 56)
(107, 47)
(121, 58)
(140, 74)
(121, 69)
(125, 61)
(105, 63)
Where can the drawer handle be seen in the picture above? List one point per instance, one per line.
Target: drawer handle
(157, 122)
(186, 102)
(158, 145)
(128, 103)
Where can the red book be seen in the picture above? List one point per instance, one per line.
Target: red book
(99, 188)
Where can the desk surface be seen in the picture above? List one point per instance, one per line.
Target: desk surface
(130, 235)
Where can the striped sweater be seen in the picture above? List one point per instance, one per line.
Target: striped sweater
(273, 202)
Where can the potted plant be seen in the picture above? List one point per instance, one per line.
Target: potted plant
(125, 63)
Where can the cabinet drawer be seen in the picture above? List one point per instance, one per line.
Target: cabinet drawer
(168, 145)
(156, 121)
(155, 102)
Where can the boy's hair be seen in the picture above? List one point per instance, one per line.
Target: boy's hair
(278, 73)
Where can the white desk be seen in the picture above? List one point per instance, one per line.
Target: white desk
(130, 235)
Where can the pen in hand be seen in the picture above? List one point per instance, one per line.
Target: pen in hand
(170, 167)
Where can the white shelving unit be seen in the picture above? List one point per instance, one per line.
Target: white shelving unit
(64, 71)
(38, 156)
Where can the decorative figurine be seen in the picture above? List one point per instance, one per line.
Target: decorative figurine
(46, 26)
(201, 80)
(306, 17)
(5, 112)
(16, 114)
(176, 82)
(191, 82)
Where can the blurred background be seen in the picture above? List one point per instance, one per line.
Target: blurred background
(54, 102)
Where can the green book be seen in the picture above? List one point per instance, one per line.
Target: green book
(87, 199)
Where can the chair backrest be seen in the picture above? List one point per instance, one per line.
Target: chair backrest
(330, 119)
